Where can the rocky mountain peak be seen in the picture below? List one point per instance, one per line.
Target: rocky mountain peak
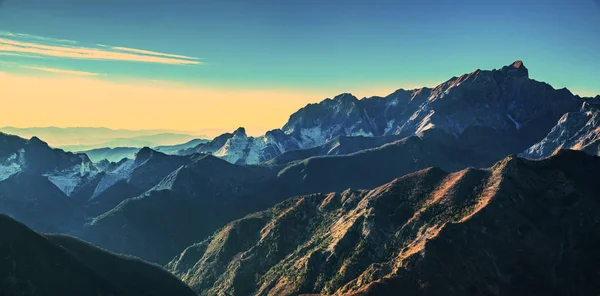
(144, 153)
(587, 106)
(345, 99)
(517, 64)
(502, 101)
(275, 133)
(516, 69)
(37, 142)
(240, 132)
(345, 96)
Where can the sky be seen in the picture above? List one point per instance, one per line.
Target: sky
(199, 65)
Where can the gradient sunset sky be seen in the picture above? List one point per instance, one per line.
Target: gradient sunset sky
(196, 65)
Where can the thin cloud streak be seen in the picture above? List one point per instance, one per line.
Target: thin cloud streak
(36, 37)
(16, 54)
(34, 45)
(148, 52)
(62, 71)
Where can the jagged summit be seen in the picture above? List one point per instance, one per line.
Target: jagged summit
(503, 102)
(517, 64)
(516, 69)
(240, 132)
(144, 153)
(37, 141)
(345, 96)
(147, 153)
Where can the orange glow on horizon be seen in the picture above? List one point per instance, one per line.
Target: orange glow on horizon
(78, 101)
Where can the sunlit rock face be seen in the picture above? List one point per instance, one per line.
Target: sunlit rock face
(579, 130)
(474, 231)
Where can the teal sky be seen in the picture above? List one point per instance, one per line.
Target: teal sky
(321, 46)
(311, 44)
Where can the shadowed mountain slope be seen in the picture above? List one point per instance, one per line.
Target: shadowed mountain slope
(34, 264)
(198, 198)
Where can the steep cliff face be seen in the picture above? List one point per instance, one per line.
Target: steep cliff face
(520, 227)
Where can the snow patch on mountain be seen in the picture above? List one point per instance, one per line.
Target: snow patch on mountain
(122, 172)
(389, 127)
(12, 165)
(70, 179)
(233, 150)
(65, 183)
(255, 149)
(313, 136)
(361, 133)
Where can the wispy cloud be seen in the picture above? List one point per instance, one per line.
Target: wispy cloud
(25, 45)
(62, 71)
(36, 37)
(145, 52)
(16, 54)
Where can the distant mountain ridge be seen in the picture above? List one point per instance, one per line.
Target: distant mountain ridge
(469, 121)
(55, 191)
(157, 201)
(118, 153)
(87, 138)
(505, 104)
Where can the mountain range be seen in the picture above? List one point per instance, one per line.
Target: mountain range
(118, 153)
(518, 228)
(502, 105)
(465, 188)
(88, 138)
